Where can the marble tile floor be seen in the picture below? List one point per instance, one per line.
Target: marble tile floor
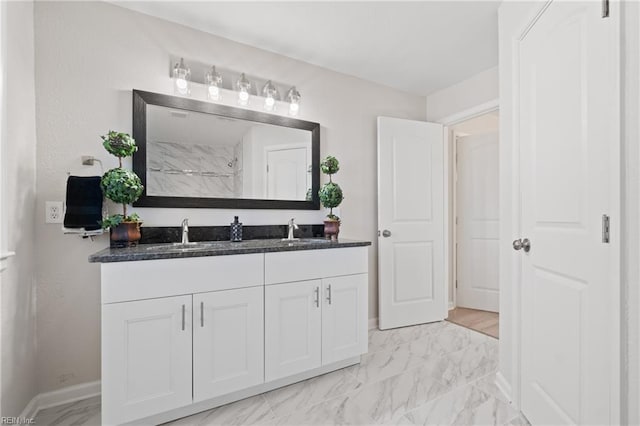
(437, 373)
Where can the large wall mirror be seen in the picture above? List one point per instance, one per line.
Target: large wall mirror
(198, 154)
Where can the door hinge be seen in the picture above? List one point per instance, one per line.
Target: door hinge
(456, 284)
(605, 8)
(267, 168)
(606, 228)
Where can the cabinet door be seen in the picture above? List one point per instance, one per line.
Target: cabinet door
(292, 328)
(228, 341)
(146, 358)
(344, 317)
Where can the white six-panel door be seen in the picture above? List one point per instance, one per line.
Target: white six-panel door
(344, 314)
(411, 220)
(293, 328)
(569, 171)
(148, 367)
(477, 228)
(228, 339)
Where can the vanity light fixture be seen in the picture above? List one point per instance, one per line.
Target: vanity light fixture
(293, 97)
(270, 94)
(214, 84)
(181, 77)
(243, 85)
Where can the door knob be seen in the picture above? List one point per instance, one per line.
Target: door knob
(386, 233)
(522, 245)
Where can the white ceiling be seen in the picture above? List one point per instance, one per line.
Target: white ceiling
(417, 47)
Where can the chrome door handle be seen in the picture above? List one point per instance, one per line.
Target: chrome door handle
(317, 298)
(329, 293)
(201, 314)
(184, 314)
(386, 233)
(520, 244)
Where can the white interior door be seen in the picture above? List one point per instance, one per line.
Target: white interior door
(569, 177)
(477, 229)
(287, 174)
(411, 220)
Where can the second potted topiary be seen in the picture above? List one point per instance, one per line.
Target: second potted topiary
(330, 197)
(123, 187)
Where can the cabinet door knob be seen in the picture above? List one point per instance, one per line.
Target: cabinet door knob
(201, 314)
(317, 298)
(386, 233)
(329, 293)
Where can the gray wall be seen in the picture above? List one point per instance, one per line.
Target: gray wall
(88, 58)
(18, 165)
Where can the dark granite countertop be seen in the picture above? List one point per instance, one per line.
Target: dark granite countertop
(216, 248)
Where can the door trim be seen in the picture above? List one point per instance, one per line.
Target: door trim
(450, 189)
(513, 209)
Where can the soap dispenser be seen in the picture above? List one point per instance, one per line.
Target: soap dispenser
(236, 230)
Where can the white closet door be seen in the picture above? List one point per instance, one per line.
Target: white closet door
(477, 222)
(411, 205)
(569, 176)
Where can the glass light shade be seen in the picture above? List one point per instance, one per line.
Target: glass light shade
(270, 94)
(181, 77)
(214, 84)
(293, 97)
(243, 85)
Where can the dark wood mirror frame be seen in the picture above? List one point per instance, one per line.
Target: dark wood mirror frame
(140, 101)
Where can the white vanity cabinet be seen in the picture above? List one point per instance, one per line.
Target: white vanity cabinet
(228, 341)
(321, 316)
(189, 334)
(146, 358)
(293, 328)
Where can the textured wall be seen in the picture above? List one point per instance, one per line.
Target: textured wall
(89, 56)
(19, 380)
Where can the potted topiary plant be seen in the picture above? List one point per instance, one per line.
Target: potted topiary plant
(123, 187)
(330, 197)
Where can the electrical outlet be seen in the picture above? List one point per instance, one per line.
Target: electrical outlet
(53, 212)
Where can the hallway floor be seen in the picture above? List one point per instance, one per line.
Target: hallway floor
(482, 321)
(437, 373)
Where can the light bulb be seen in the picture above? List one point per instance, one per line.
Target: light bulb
(181, 76)
(214, 93)
(293, 96)
(269, 103)
(243, 97)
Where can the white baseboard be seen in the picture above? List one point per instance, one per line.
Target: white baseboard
(373, 323)
(61, 396)
(504, 386)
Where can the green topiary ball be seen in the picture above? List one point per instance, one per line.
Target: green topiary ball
(330, 195)
(121, 186)
(330, 165)
(119, 144)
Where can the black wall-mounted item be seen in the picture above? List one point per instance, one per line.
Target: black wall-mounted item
(143, 99)
(83, 203)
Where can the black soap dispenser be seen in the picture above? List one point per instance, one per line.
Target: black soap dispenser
(236, 230)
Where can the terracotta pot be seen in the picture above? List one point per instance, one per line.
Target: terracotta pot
(331, 229)
(127, 234)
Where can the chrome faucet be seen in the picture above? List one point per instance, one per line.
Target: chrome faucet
(291, 225)
(185, 231)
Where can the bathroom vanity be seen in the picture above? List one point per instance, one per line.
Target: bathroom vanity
(186, 328)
